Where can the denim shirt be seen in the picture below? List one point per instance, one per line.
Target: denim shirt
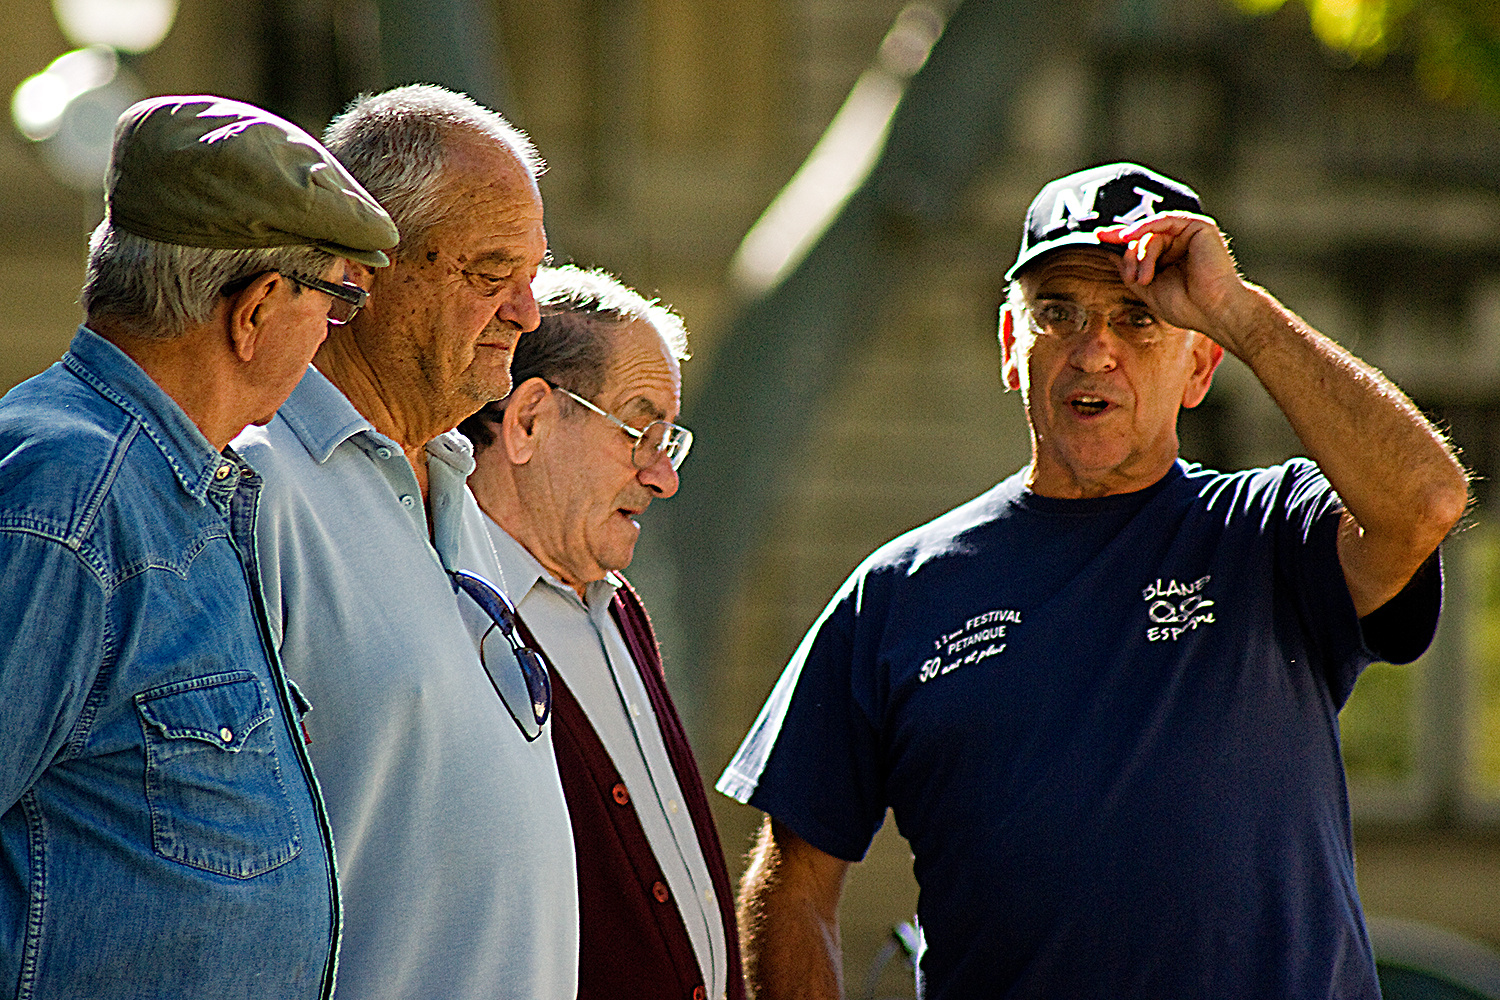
(162, 833)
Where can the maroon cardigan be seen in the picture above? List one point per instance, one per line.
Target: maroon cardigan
(632, 941)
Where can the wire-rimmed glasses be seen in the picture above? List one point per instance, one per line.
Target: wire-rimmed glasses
(660, 437)
(507, 661)
(1061, 318)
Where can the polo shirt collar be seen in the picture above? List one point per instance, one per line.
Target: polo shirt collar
(323, 418)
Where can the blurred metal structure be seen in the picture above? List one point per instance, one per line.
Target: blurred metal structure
(786, 348)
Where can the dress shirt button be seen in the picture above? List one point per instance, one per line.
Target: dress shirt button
(659, 890)
(407, 500)
(222, 472)
(226, 734)
(698, 993)
(383, 452)
(620, 793)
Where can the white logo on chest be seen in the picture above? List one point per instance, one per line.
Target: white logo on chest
(1176, 608)
(978, 639)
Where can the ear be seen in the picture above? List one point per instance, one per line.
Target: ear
(1010, 361)
(248, 315)
(526, 420)
(1206, 357)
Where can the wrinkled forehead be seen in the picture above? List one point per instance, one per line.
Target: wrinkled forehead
(1092, 272)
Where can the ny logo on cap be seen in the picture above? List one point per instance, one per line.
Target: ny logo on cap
(1079, 203)
(1144, 210)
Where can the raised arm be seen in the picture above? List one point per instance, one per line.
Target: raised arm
(1402, 487)
(789, 918)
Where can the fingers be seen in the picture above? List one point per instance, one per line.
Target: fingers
(1157, 242)
(1138, 265)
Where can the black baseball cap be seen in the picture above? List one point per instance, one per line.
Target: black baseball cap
(1071, 210)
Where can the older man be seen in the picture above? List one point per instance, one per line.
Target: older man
(455, 853)
(563, 466)
(1102, 698)
(162, 834)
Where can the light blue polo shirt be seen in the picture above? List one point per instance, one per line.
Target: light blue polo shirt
(454, 849)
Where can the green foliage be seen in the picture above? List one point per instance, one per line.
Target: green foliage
(1456, 42)
(1375, 727)
(1484, 654)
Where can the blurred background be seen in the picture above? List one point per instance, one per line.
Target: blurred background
(830, 191)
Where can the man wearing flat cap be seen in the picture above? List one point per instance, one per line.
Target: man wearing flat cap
(430, 734)
(162, 833)
(1102, 698)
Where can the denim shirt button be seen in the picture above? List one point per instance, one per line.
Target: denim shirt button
(383, 452)
(223, 471)
(407, 500)
(226, 734)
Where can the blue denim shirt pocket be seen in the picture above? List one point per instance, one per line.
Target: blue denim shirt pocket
(213, 781)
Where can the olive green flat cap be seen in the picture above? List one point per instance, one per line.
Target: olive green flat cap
(205, 171)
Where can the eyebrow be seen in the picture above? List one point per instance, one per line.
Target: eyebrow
(507, 257)
(1129, 300)
(640, 405)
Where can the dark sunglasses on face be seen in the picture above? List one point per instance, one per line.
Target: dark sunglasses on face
(518, 674)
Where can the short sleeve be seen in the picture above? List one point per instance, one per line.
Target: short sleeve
(812, 758)
(1401, 629)
(1309, 513)
(51, 648)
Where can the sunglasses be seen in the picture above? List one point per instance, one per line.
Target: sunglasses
(518, 673)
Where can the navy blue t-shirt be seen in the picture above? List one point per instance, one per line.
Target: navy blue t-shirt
(1108, 729)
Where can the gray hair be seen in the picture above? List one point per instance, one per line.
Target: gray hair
(396, 144)
(157, 290)
(572, 348)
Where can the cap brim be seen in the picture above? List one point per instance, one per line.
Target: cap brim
(1089, 239)
(374, 258)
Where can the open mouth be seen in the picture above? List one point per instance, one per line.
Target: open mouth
(1088, 406)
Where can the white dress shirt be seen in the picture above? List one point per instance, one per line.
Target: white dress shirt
(585, 646)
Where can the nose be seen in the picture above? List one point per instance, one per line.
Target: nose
(520, 309)
(1095, 347)
(659, 477)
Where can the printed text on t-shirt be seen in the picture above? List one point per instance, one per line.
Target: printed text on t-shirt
(1176, 608)
(977, 639)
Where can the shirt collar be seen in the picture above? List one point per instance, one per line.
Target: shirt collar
(520, 571)
(116, 376)
(323, 418)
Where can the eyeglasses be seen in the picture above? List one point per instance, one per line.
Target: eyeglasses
(659, 438)
(510, 662)
(1060, 318)
(348, 298)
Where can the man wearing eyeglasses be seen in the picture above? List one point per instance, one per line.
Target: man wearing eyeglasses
(1102, 698)
(564, 466)
(429, 730)
(162, 834)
